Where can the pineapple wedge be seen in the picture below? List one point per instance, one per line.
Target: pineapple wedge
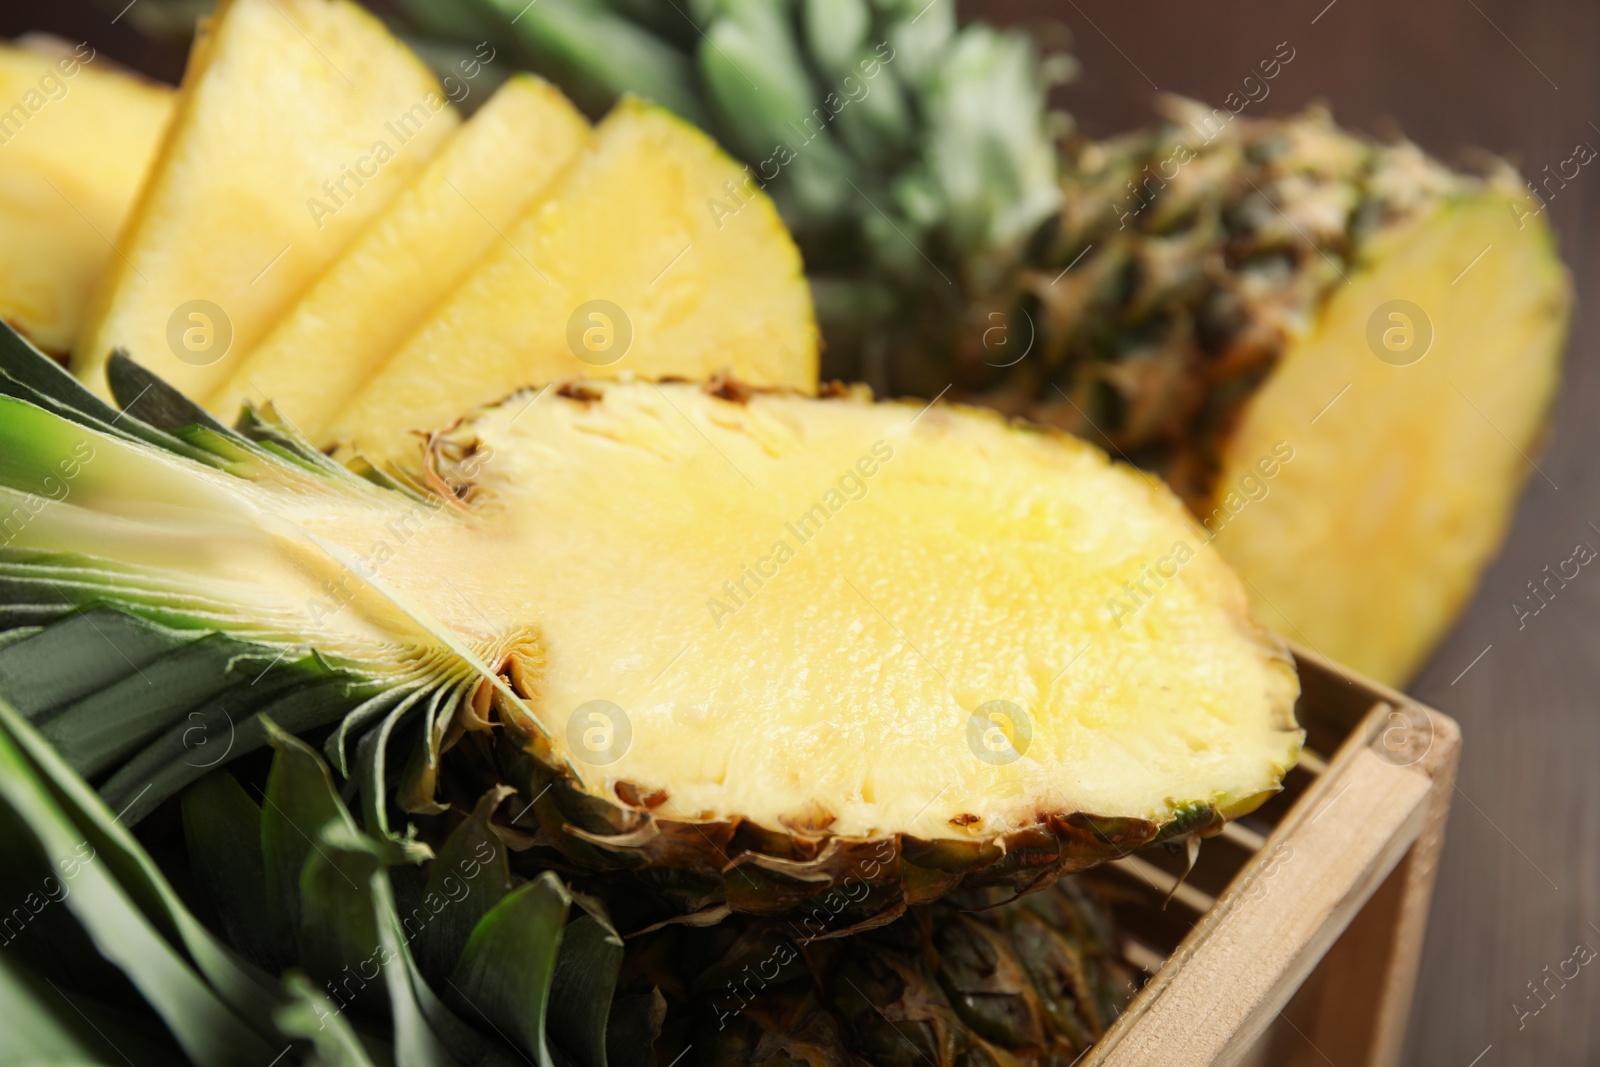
(74, 150)
(298, 121)
(650, 254)
(1411, 439)
(404, 264)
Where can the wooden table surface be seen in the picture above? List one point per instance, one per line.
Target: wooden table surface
(1519, 888)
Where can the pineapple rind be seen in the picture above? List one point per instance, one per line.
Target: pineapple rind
(1206, 320)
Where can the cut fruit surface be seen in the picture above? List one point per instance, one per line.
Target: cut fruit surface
(298, 120)
(1412, 408)
(74, 149)
(395, 273)
(848, 589)
(747, 645)
(652, 254)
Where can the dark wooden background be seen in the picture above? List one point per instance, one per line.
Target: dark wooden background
(1520, 882)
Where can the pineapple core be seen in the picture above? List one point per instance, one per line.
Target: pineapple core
(840, 615)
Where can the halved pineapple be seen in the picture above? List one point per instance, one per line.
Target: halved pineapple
(74, 149)
(802, 605)
(297, 122)
(395, 273)
(749, 647)
(1412, 410)
(653, 254)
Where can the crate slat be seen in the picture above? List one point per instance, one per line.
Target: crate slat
(1355, 855)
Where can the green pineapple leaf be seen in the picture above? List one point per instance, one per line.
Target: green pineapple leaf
(504, 975)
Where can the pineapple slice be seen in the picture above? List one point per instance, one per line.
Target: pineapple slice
(1412, 410)
(651, 254)
(754, 646)
(297, 122)
(397, 271)
(74, 149)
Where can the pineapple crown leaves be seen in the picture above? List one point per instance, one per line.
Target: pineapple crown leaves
(144, 671)
(378, 964)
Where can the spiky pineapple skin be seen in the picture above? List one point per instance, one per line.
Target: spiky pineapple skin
(1187, 257)
(1031, 982)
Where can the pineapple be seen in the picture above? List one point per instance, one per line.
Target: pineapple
(1340, 353)
(299, 120)
(480, 960)
(75, 146)
(871, 626)
(624, 265)
(401, 267)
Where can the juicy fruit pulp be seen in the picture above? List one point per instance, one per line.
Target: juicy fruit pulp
(252, 195)
(622, 267)
(396, 272)
(74, 150)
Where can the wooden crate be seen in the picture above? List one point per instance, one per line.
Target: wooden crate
(1296, 936)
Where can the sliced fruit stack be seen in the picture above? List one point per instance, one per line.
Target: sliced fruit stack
(346, 248)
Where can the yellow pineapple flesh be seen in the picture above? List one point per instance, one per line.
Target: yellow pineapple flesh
(396, 272)
(651, 254)
(804, 607)
(297, 122)
(75, 146)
